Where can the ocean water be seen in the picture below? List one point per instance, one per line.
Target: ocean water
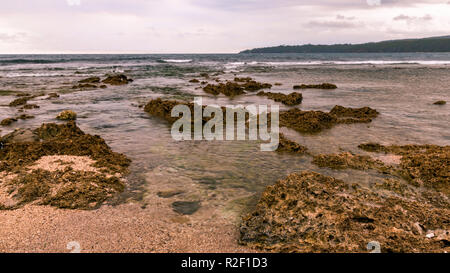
(224, 174)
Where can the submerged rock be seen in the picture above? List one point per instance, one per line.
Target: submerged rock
(67, 115)
(90, 80)
(316, 86)
(8, 121)
(186, 207)
(310, 212)
(117, 80)
(440, 102)
(52, 96)
(291, 100)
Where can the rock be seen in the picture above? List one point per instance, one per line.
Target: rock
(23, 95)
(440, 102)
(364, 114)
(289, 146)
(307, 121)
(290, 100)
(117, 80)
(316, 86)
(420, 164)
(103, 86)
(25, 116)
(90, 80)
(20, 101)
(186, 207)
(63, 188)
(52, 96)
(253, 86)
(170, 193)
(247, 79)
(20, 135)
(310, 212)
(194, 81)
(7, 121)
(228, 89)
(84, 86)
(30, 106)
(346, 160)
(67, 115)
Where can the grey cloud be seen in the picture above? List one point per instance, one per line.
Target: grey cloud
(407, 18)
(10, 38)
(331, 24)
(342, 17)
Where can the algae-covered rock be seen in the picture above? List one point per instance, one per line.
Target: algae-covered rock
(353, 115)
(30, 106)
(287, 146)
(310, 212)
(90, 80)
(346, 160)
(291, 100)
(316, 86)
(20, 101)
(117, 80)
(52, 95)
(8, 121)
(186, 207)
(427, 165)
(67, 115)
(229, 89)
(307, 121)
(84, 188)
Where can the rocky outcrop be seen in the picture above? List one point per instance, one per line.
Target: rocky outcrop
(229, 89)
(90, 80)
(316, 86)
(427, 165)
(117, 80)
(288, 146)
(67, 115)
(291, 100)
(310, 212)
(64, 187)
(346, 160)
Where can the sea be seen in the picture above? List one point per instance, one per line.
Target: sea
(227, 175)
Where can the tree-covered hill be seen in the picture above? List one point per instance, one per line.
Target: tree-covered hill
(433, 44)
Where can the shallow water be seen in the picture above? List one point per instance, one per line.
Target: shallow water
(402, 87)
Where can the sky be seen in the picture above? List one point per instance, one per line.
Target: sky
(210, 26)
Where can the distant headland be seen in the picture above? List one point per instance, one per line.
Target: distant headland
(432, 44)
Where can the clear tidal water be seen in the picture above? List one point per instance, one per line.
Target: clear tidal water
(402, 87)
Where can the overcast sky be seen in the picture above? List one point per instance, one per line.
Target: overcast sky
(209, 26)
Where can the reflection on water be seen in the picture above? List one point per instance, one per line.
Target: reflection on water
(222, 173)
